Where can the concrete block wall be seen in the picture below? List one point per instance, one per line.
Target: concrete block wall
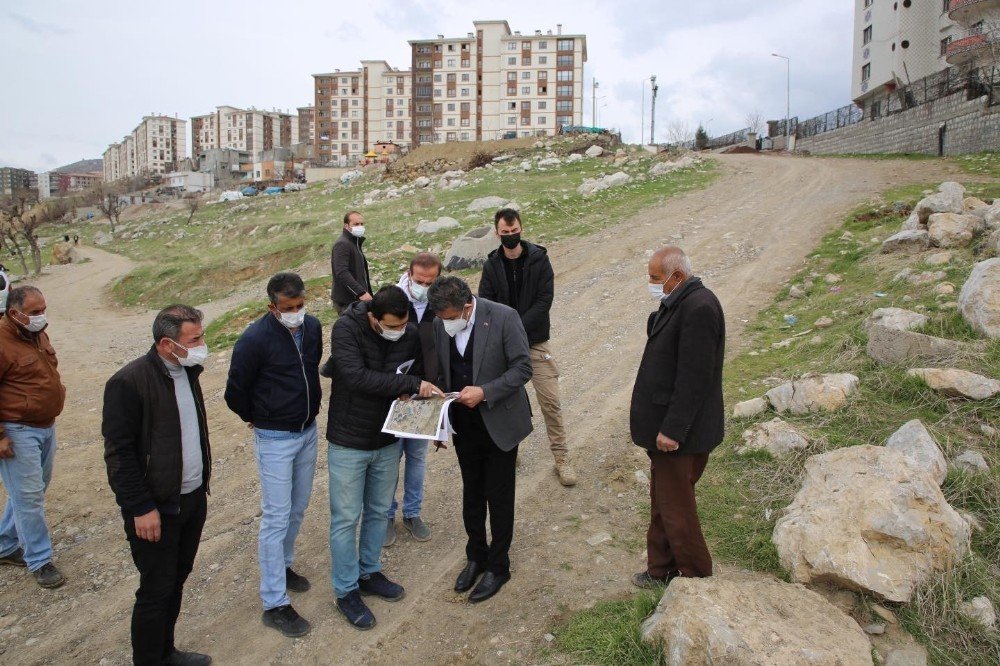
(970, 126)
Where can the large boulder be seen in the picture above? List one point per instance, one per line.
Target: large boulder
(749, 408)
(64, 253)
(813, 393)
(471, 249)
(955, 383)
(991, 215)
(951, 230)
(950, 198)
(907, 241)
(594, 151)
(868, 518)
(486, 203)
(751, 622)
(896, 319)
(914, 442)
(775, 436)
(887, 346)
(979, 300)
(592, 186)
(429, 227)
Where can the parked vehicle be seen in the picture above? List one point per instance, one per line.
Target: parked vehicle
(510, 135)
(271, 191)
(230, 195)
(249, 191)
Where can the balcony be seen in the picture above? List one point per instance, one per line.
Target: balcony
(966, 12)
(973, 45)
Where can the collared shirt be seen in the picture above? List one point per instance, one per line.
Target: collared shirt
(420, 307)
(462, 339)
(191, 474)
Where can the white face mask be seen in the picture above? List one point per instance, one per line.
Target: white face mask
(390, 335)
(358, 232)
(293, 319)
(455, 326)
(196, 355)
(418, 291)
(656, 291)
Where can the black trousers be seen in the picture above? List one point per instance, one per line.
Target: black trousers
(487, 486)
(163, 567)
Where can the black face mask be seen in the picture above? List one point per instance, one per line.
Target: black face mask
(510, 241)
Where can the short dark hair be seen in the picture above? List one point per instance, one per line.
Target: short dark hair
(426, 260)
(169, 320)
(508, 215)
(447, 292)
(347, 215)
(289, 285)
(390, 300)
(18, 295)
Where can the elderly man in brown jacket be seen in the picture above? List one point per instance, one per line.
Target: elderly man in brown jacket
(31, 397)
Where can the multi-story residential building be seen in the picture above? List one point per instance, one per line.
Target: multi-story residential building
(494, 83)
(13, 179)
(307, 128)
(486, 85)
(243, 129)
(897, 42)
(157, 146)
(55, 183)
(978, 38)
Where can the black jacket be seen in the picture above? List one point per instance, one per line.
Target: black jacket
(271, 384)
(425, 327)
(678, 390)
(365, 381)
(142, 436)
(537, 288)
(349, 269)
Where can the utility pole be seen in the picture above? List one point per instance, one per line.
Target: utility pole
(652, 112)
(788, 95)
(593, 104)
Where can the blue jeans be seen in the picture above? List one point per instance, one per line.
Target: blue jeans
(287, 464)
(361, 487)
(25, 477)
(413, 478)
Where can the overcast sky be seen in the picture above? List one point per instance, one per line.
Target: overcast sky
(79, 75)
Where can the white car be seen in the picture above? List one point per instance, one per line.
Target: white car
(230, 195)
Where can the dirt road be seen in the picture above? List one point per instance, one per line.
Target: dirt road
(746, 234)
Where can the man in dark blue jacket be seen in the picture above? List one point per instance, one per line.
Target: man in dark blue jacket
(369, 344)
(274, 386)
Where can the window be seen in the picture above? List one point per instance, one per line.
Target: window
(465, 136)
(465, 92)
(869, 3)
(465, 122)
(543, 75)
(564, 75)
(451, 48)
(388, 91)
(451, 122)
(437, 92)
(564, 120)
(543, 45)
(944, 45)
(511, 46)
(525, 90)
(437, 78)
(526, 75)
(452, 78)
(866, 72)
(525, 46)
(512, 76)
(565, 44)
(450, 62)
(526, 61)
(512, 61)
(866, 36)
(944, 6)
(512, 106)
(564, 91)
(542, 106)
(466, 107)
(399, 113)
(564, 105)
(451, 107)
(543, 60)
(541, 120)
(343, 91)
(512, 120)
(354, 102)
(423, 123)
(423, 108)
(564, 60)
(465, 78)
(525, 106)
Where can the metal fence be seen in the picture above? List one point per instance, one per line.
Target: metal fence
(731, 139)
(976, 82)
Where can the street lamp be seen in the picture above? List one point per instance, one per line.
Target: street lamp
(788, 94)
(593, 102)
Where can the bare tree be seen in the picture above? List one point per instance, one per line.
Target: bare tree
(109, 203)
(193, 202)
(678, 132)
(39, 216)
(12, 209)
(754, 121)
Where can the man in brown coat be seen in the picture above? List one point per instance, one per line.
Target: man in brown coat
(31, 397)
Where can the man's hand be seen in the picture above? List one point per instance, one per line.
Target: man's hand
(6, 447)
(471, 396)
(365, 297)
(428, 390)
(147, 526)
(665, 444)
(439, 445)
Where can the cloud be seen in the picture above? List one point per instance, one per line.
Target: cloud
(37, 27)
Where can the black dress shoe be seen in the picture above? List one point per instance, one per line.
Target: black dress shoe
(178, 658)
(488, 586)
(468, 577)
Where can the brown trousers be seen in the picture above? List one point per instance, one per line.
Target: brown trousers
(545, 379)
(674, 541)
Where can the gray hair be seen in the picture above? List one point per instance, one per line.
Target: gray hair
(448, 292)
(18, 295)
(169, 320)
(673, 259)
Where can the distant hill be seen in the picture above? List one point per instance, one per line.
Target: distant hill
(83, 166)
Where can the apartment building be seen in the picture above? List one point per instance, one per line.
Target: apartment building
(249, 130)
(491, 83)
(56, 183)
(977, 40)
(13, 179)
(155, 147)
(307, 128)
(896, 42)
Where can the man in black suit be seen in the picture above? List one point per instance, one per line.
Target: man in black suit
(351, 281)
(677, 414)
(484, 356)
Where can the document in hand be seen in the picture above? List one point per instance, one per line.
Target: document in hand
(420, 418)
